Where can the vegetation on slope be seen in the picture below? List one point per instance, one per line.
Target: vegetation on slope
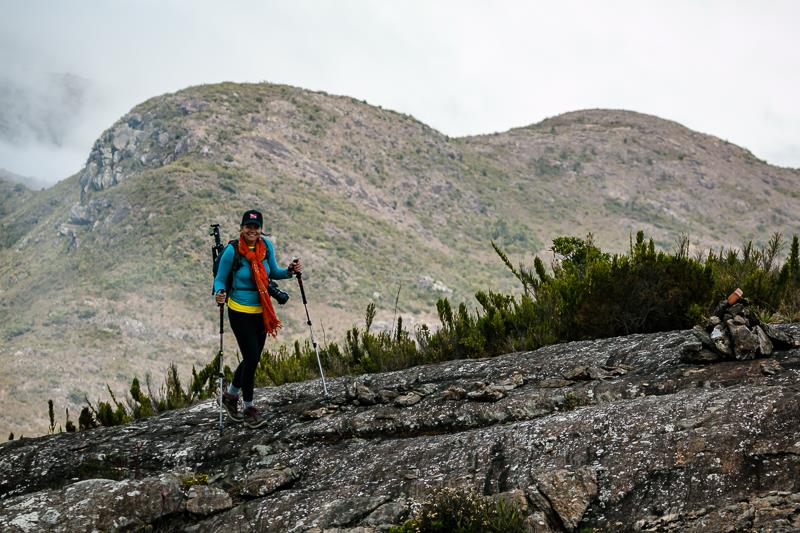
(588, 294)
(105, 275)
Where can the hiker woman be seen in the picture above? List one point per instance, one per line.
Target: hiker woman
(252, 264)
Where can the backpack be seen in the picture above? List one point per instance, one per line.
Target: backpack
(237, 261)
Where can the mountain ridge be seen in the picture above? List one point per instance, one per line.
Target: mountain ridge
(381, 207)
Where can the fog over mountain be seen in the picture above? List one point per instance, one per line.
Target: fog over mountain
(40, 110)
(464, 68)
(46, 118)
(31, 183)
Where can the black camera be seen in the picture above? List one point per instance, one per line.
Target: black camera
(280, 296)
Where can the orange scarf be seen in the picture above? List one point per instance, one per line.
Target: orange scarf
(259, 274)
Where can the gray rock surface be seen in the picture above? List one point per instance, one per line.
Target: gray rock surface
(636, 440)
(745, 342)
(204, 500)
(721, 341)
(765, 346)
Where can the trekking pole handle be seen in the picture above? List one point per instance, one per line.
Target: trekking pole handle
(302, 290)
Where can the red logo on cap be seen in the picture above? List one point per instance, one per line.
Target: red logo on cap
(253, 215)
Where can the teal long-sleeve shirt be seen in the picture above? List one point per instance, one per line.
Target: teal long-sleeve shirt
(244, 289)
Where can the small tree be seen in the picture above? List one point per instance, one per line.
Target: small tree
(51, 414)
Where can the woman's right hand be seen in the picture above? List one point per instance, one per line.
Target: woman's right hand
(220, 297)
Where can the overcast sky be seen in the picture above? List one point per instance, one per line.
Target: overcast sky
(70, 68)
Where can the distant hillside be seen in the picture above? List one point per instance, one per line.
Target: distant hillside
(30, 183)
(610, 171)
(106, 274)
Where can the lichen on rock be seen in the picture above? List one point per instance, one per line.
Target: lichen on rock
(647, 442)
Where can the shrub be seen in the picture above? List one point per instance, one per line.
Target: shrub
(86, 420)
(453, 511)
(192, 479)
(279, 367)
(592, 294)
(770, 287)
(640, 293)
(110, 416)
(172, 395)
(144, 406)
(363, 351)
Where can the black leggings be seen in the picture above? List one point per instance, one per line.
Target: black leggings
(251, 336)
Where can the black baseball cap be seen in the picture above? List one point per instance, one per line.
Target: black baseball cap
(253, 217)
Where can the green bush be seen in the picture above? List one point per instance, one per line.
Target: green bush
(453, 511)
(172, 395)
(192, 479)
(643, 292)
(363, 351)
(770, 287)
(279, 367)
(106, 415)
(144, 406)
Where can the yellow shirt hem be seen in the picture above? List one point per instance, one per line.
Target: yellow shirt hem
(236, 306)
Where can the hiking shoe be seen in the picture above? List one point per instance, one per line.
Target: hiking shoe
(252, 418)
(231, 404)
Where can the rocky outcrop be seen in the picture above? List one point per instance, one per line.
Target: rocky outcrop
(145, 138)
(613, 434)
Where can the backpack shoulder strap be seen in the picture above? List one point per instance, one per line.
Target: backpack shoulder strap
(237, 260)
(264, 238)
(236, 255)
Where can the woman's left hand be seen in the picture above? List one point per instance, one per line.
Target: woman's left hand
(295, 266)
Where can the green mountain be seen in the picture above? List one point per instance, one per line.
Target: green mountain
(106, 275)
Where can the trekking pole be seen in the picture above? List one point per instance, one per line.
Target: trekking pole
(311, 330)
(221, 371)
(216, 252)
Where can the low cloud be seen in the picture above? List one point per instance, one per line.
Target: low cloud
(41, 110)
(461, 67)
(42, 124)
